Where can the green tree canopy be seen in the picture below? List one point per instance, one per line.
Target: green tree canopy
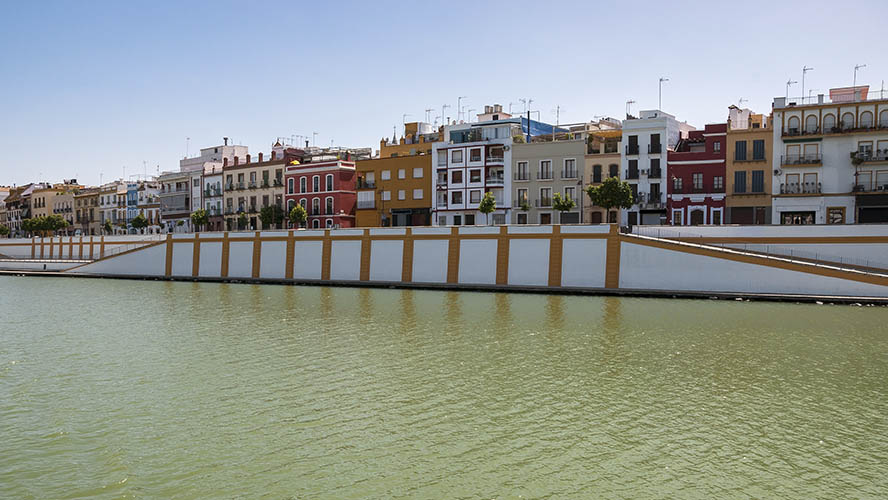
(4, 231)
(562, 203)
(271, 215)
(242, 221)
(487, 205)
(108, 227)
(200, 218)
(139, 222)
(44, 224)
(298, 215)
(612, 193)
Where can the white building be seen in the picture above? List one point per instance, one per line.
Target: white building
(830, 159)
(647, 141)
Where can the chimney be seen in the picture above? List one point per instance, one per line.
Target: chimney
(226, 140)
(273, 154)
(248, 157)
(306, 144)
(225, 162)
(819, 98)
(260, 157)
(235, 160)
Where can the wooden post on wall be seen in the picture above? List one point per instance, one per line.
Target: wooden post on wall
(407, 267)
(502, 256)
(326, 255)
(612, 265)
(257, 253)
(365, 256)
(453, 256)
(223, 272)
(291, 249)
(556, 246)
(195, 257)
(168, 271)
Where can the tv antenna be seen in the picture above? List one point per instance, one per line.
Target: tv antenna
(857, 67)
(629, 104)
(805, 69)
(789, 83)
(660, 93)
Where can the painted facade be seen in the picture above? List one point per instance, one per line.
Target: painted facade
(87, 211)
(748, 167)
(696, 173)
(827, 161)
(326, 190)
(250, 186)
(602, 161)
(541, 169)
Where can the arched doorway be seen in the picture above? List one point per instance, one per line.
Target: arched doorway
(697, 217)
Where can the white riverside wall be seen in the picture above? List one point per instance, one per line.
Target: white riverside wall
(555, 257)
(860, 245)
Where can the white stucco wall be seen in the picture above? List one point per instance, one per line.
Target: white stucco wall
(477, 261)
(528, 262)
(307, 258)
(273, 259)
(345, 260)
(386, 260)
(210, 259)
(430, 261)
(240, 259)
(583, 263)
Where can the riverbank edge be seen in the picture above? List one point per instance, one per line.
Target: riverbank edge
(622, 292)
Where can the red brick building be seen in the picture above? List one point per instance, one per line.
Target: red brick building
(326, 190)
(696, 178)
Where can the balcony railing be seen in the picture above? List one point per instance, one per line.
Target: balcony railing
(800, 188)
(655, 172)
(362, 184)
(240, 186)
(494, 180)
(495, 160)
(544, 176)
(521, 176)
(802, 159)
(632, 149)
(278, 182)
(792, 132)
(632, 174)
(746, 157)
(366, 204)
(570, 173)
(543, 202)
(442, 182)
(253, 185)
(861, 188)
(867, 156)
(655, 148)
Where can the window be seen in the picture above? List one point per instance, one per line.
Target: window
(758, 181)
(475, 175)
(385, 175)
(290, 205)
(655, 168)
(613, 170)
(545, 169)
(329, 182)
(522, 218)
(633, 169)
(811, 124)
(740, 151)
(793, 125)
(417, 194)
(402, 195)
(570, 193)
(655, 191)
(302, 188)
(457, 220)
(570, 169)
(328, 223)
(456, 156)
(545, 197)
(264, 200)
(522, 197)
(866, 121)
(758, 149)
(717, 146)
(402, 173)
(417, 173)
(676, 217)
(303, 202)
(196, 182)
(470, 219)
(835, 215)
(442, 158)
(475, 154)
(316, 224)
(442, 220)
(676, 185)
(290, 185)
(441, 200)
(456, 197)
(316, 183)
(316, 206)
(739, 181)
(456, 177)
(475, 196)
(718, 183)
(596, 173)
(386, 195)
(328, 208)
(829, 122)
(522, 171)
(847, 121)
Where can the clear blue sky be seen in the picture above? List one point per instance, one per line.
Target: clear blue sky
(90, 87)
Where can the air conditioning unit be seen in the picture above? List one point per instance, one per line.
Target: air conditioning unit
(506, 148)
(777, 171)
(644, 171)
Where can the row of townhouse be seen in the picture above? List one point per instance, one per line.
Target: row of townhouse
(821, 160)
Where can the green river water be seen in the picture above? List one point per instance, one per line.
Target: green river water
(131, 389)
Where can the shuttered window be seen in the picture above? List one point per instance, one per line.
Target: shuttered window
(739, 182)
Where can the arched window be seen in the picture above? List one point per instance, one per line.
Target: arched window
(302, 184)
(829, 122)
(866, 120)
(329, 182)
(811, 124)
(847, 121)
(316, 206)
(290, 205)
(883, 118)
(303, 202)
(792, 125)
(290, 185)
(316, 224)
(316, 183)
(329, 208)
(329, 223)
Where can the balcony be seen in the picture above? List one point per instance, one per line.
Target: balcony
(521, 176)
(544, 175)
(800, 188)
(870, 156)
(253, 185)
(495, 180)
(278, 182)
(655, 172)
(442, 182)
(803, 159)
(655, 148)
(746, 157)
(543, 202)
(495, 160)
(229, 186)
(861, 188)
(240, 186)
(632, 173)
(795, 132)
(570, 173)
(363, 184)
(632, 149)
(362, 205)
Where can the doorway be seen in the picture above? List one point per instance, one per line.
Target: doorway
(697, 217)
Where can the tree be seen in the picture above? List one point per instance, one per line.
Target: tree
(242, 221)
(108, 227)
(200, 218)
(139, 222)
(612, 193)
(562, 204)
(271, 215)
(487, 205)
(298, 215)
(4, 231)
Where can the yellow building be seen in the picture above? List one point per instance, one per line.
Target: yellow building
(602, 161)
(86, 211)
(748, 167)
(396, 188)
